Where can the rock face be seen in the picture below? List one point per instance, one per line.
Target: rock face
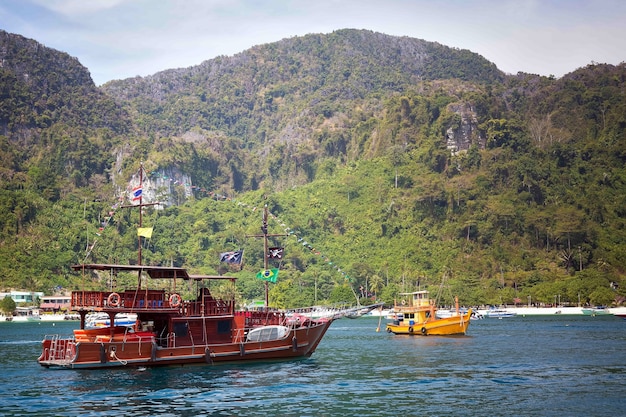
(461, 136)
(167, 186)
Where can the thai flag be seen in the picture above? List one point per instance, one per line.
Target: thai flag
(137, 193)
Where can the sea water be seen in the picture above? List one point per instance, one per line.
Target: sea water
(520, 366)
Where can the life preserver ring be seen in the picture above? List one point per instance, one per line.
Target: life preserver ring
(410, 330)
(403, 302)
(424, 331)
(114, 299)
(175, 300)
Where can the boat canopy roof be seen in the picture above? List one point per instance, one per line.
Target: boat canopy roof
(414, 293)
(155, 272)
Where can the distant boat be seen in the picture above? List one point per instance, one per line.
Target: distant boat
(596, 311)
(357, 312)
(499, 313)
(619, 312)
(380, 312)
(318, 312)
(102, 320)
(417, 316)
(23, 314)
(21, 319)
(444, 314)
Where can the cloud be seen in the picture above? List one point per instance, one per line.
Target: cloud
(78, 8)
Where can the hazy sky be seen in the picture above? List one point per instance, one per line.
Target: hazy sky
(118, 39)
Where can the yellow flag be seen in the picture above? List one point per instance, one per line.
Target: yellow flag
(145, 232)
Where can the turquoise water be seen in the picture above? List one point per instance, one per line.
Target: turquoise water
(521, 366)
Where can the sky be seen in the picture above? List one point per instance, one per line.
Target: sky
(118, 39)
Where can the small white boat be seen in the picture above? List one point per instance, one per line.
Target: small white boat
(21, 319)
(379, 313)
(476, 316)
(596, 311)
(499, 313)
(444, 314)
(357, 312)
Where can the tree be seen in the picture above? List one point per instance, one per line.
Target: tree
(7, 305)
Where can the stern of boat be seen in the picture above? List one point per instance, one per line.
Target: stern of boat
(57, 351)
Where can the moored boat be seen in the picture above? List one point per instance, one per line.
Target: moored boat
(446, 313)
(171, 330)
(356, 312)
(619, 312)
(103, 320)
(596, 311)
(417, 316)
(499, 313)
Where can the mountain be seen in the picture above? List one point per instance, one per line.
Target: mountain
(54, 122)
(390, 162)
(302, 95)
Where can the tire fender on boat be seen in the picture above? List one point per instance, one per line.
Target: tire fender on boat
(114, 299)
(410, 330)
(424, 331)
(175, 300)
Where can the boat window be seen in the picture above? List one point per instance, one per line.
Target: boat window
(223, 326)
(180, 329)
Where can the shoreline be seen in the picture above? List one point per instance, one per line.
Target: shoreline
(549, 311)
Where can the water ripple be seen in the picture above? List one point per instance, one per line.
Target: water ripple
(521, 366)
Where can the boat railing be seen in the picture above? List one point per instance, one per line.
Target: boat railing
(239, 335)
(60, 349)
(171, 340)
(128, 299)
(211, 308)
(266, 317)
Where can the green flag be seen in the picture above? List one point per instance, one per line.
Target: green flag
(268, 275)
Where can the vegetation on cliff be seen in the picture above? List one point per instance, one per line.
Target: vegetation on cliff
(388, 162)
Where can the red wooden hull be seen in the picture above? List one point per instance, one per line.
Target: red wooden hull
(142, 350)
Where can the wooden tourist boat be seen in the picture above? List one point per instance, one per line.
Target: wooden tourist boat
(417, 316)
(170, 330)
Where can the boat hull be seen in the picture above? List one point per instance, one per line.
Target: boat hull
(455, 325)
(100, 351)
(595, 312)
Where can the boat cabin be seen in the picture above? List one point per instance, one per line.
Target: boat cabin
(415, 308)
(170, 319)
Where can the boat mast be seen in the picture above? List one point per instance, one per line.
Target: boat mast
(265, 235)
(265, 252)
(140, 214)
(141, 205)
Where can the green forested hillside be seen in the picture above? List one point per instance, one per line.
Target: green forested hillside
(388, 163)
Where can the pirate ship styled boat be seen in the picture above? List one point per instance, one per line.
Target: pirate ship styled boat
(171, 330)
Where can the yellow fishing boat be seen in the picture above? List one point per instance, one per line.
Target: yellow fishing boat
(416, 316)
